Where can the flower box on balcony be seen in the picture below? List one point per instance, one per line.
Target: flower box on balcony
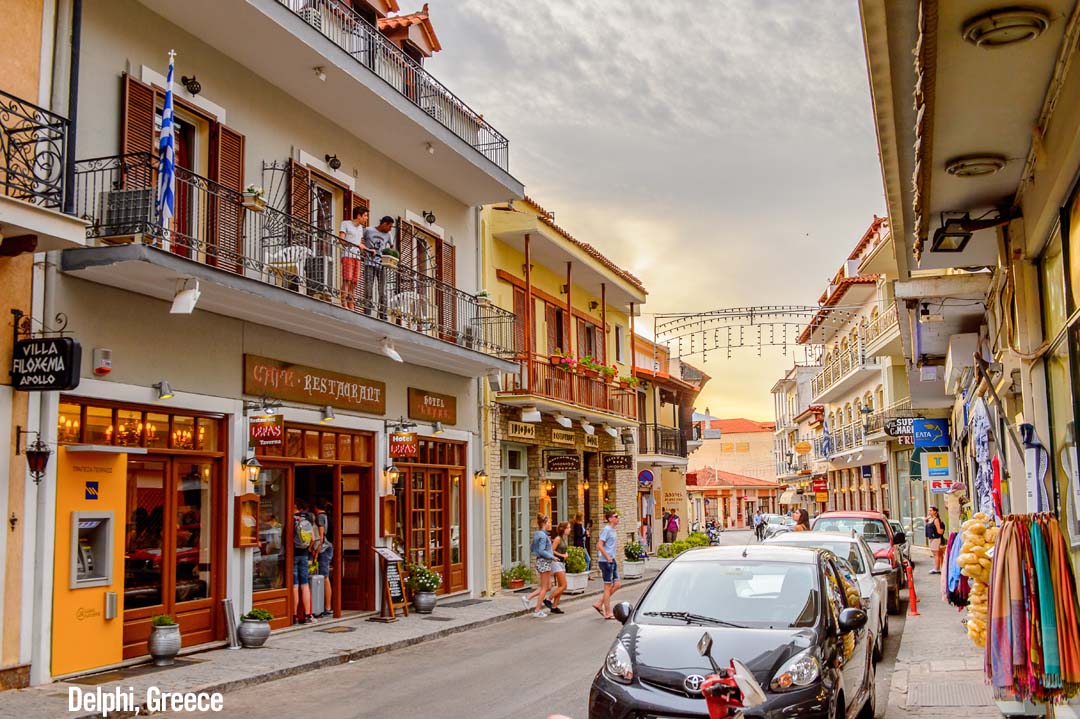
(253, 201)
(588, 372)
(390, 259)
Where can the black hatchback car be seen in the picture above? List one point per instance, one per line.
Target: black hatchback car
(782, 611)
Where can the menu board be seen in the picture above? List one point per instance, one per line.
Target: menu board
(393, 586)
(393, 581)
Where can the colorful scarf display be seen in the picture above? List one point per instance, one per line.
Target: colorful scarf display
(1033, 651)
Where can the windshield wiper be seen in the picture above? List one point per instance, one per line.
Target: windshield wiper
(690, 617)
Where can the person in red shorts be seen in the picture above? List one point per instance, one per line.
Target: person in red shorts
(352, 248)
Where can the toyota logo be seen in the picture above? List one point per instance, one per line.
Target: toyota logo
(692, 684)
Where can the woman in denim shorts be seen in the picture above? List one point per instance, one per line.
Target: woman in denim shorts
(541, 548)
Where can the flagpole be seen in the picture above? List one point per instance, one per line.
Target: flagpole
(166, 200)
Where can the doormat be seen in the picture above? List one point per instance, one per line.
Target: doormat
(464, 603)
(955, 694)
(437, 619)
(121, 675)
(337, 630)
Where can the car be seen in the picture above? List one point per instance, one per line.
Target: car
(856, 556)
(782, 611)
(905, 546)
(777, 524)
(874, 527)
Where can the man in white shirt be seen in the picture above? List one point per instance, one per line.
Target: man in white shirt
(352, 249)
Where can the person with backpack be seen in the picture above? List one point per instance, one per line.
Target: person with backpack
(303, 542)
(672, 526)
(325, 551)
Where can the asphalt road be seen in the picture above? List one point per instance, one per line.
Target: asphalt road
(525, 668)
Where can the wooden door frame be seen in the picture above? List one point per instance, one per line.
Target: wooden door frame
(270, 595)
(447, 471)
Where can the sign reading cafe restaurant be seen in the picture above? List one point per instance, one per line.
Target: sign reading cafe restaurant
(45, 364)
(296, 383)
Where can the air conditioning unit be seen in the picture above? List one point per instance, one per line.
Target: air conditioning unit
(960, 357)
(312, 16)
(125, 214)
(319, 276)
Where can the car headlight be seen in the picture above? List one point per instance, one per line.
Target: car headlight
(618, 664)
(799, 671)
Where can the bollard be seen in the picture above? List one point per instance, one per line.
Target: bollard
(913, 597)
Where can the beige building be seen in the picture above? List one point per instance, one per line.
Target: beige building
(742, 447)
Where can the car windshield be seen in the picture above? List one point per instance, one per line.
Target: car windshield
(839, 547)
(747, 594)
(872, 530)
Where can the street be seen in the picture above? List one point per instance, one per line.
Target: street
(524, 668)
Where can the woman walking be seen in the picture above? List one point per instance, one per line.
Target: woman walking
(560, 546)
(541, 548)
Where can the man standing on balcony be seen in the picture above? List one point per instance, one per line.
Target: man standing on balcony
(352, 247)
(376, 240)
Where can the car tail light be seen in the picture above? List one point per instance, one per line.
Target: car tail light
(886, 553)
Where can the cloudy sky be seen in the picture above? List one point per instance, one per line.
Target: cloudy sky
(723, 151)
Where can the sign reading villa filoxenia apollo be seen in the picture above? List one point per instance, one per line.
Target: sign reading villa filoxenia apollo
(45, 364)
(296, 383)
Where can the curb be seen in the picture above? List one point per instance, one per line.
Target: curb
(350, 656)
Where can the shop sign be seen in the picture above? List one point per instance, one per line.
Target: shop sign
(592, 441)
(563, 463)
(821, 496)
(899, 426)
(297, 383)
(521, 430)
(821, 485)
(645, 478)
(562, 436)
(930, 432)
(867, 472)
(432, 407)
(803, 448)
(937, 468)
(266, 432)
(403, 444)
(45, 364)
(618, 461)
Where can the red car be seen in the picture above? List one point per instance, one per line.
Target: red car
(874, 527)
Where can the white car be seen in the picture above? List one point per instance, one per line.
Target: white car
(854, 551)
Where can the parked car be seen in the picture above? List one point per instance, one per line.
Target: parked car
(874, 527)
(905, 546)
(856, 556)
(780, 610)
(777, 524)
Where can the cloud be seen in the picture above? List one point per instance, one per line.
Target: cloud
(722, 151)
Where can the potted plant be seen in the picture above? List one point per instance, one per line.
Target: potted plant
(164, 641)
(422, 583)
(577, 578)
(254, 628)
(563, 362)
(628, 382)
(390, 258)
(254, 198)
(609, 372)
(483, 299)
(634, 560)
(589, 366)
(516, 576)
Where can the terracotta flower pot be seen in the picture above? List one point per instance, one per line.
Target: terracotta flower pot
(517, 583)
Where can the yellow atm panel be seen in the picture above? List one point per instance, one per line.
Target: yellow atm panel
(88, 578)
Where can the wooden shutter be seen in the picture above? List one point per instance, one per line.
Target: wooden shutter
(299, 204)
(519, 321)
(550, 320)
(137, 132)
(225, 247)
(446, 299)
(599, 349)
(582, 338)
(406, 243)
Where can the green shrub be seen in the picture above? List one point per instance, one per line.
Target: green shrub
(518, 571)
(258, 615)
(698, 539)
(633, 551)
(162, 620)
(665, 551)
(575, 560)
(679, 547)
(422, 579)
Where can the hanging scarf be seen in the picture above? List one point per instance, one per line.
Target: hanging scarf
(980, 430)
(1001, 644)
(1044, 623)
(1065, 604)
(1032, 639)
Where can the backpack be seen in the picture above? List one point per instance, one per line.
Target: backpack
(673, 523)
(303, 532)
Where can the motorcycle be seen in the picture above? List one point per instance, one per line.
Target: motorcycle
(714, 534)
(728, 691)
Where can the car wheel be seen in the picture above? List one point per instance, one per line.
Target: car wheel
(879, 646)
(869, 707)
(894, 601)
(885, 627)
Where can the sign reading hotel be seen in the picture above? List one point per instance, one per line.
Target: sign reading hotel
(266, 432)
(562, 436)
(432, 407)
(403, 444)
(521, 430)
(45, 364)
(297, 383)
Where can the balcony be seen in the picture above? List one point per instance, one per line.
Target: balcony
(882, 425)
(882, 335)
(269, 267)
(576, 395)
(842, 373)
(33, 169)
(365, 84)
(850, 447)
(663, 445)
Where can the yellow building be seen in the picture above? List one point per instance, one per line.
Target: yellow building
(562, 426)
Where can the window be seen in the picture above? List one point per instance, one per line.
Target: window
(742, 447)
(515, 503)
(620, 342)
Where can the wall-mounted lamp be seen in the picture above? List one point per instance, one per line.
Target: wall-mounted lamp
(164, 391)
(429, 217)
(610, 431)
(333, 162)
(320, 73)
(327, 415)
(593, 304)
(265, 406)
(191, 84)
(252, 467)
(430, 148)
(437, 428)
(186, 296)
(531, 415)
(387, 346)
(564, 422)
(481, 477)
(585, 485)
(37, 453)
(588, 428)
(391, 475)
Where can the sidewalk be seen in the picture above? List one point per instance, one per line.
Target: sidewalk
(285, 654)
(939, 671)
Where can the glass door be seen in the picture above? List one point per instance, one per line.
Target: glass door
(456, 534)
(271, 580)
(515, 502)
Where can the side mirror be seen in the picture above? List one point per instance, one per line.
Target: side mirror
(622, 611)
(899, 538)
(881, 569)
(851, 620)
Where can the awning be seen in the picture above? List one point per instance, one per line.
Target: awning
(788, 497)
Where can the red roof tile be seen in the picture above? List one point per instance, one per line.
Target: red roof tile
(837, 294)
(874, 228)
(396, 22)
(709, 477)
(740, 425)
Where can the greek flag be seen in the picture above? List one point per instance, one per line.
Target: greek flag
(826, 440)
(166, 197)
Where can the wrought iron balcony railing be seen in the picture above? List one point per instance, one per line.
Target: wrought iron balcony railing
(33, 152)
(657, 439)
(838, 368)
(882, 324)
(848, 437)
(222, 228)
(340, 24)
(541, 378)
(897, 410)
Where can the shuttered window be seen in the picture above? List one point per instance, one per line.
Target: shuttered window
(446, 298)
(519, 324)
(225, 249)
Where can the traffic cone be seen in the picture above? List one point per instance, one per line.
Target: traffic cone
(913, 596)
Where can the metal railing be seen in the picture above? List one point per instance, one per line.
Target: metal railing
(897, 410)
(541, 378)
(341, 25)
(838, 368)
(33, 152)
(658, 439)
(220, 227)
(881, 324)
(848, 437)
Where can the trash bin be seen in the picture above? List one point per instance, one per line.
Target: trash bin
(318, 594)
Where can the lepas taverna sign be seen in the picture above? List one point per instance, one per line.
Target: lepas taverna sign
(45, 364)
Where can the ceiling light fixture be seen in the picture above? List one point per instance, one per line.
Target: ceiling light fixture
(975, 165)
(957, 227)
(430, 148)
(1005, 26)
(564, 421)
(611, 431)
(387, 347)
(186, 297)
(531, 415)
(164, 391)
(320, 73)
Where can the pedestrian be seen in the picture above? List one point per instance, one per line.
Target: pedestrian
(377, 239)
(577, 538)
(663, 526)
(643, 534)
(672, 526)
(352, 250)
(541, 549)
(325, 551)
(560, 545)
(935, 531)
(609, 568)
(802, 521)
(758, 524)
(303, 540)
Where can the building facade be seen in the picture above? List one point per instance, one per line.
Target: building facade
(742, 447)
(800, 462)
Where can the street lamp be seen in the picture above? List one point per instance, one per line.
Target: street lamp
(37, 453)
(252, 466)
